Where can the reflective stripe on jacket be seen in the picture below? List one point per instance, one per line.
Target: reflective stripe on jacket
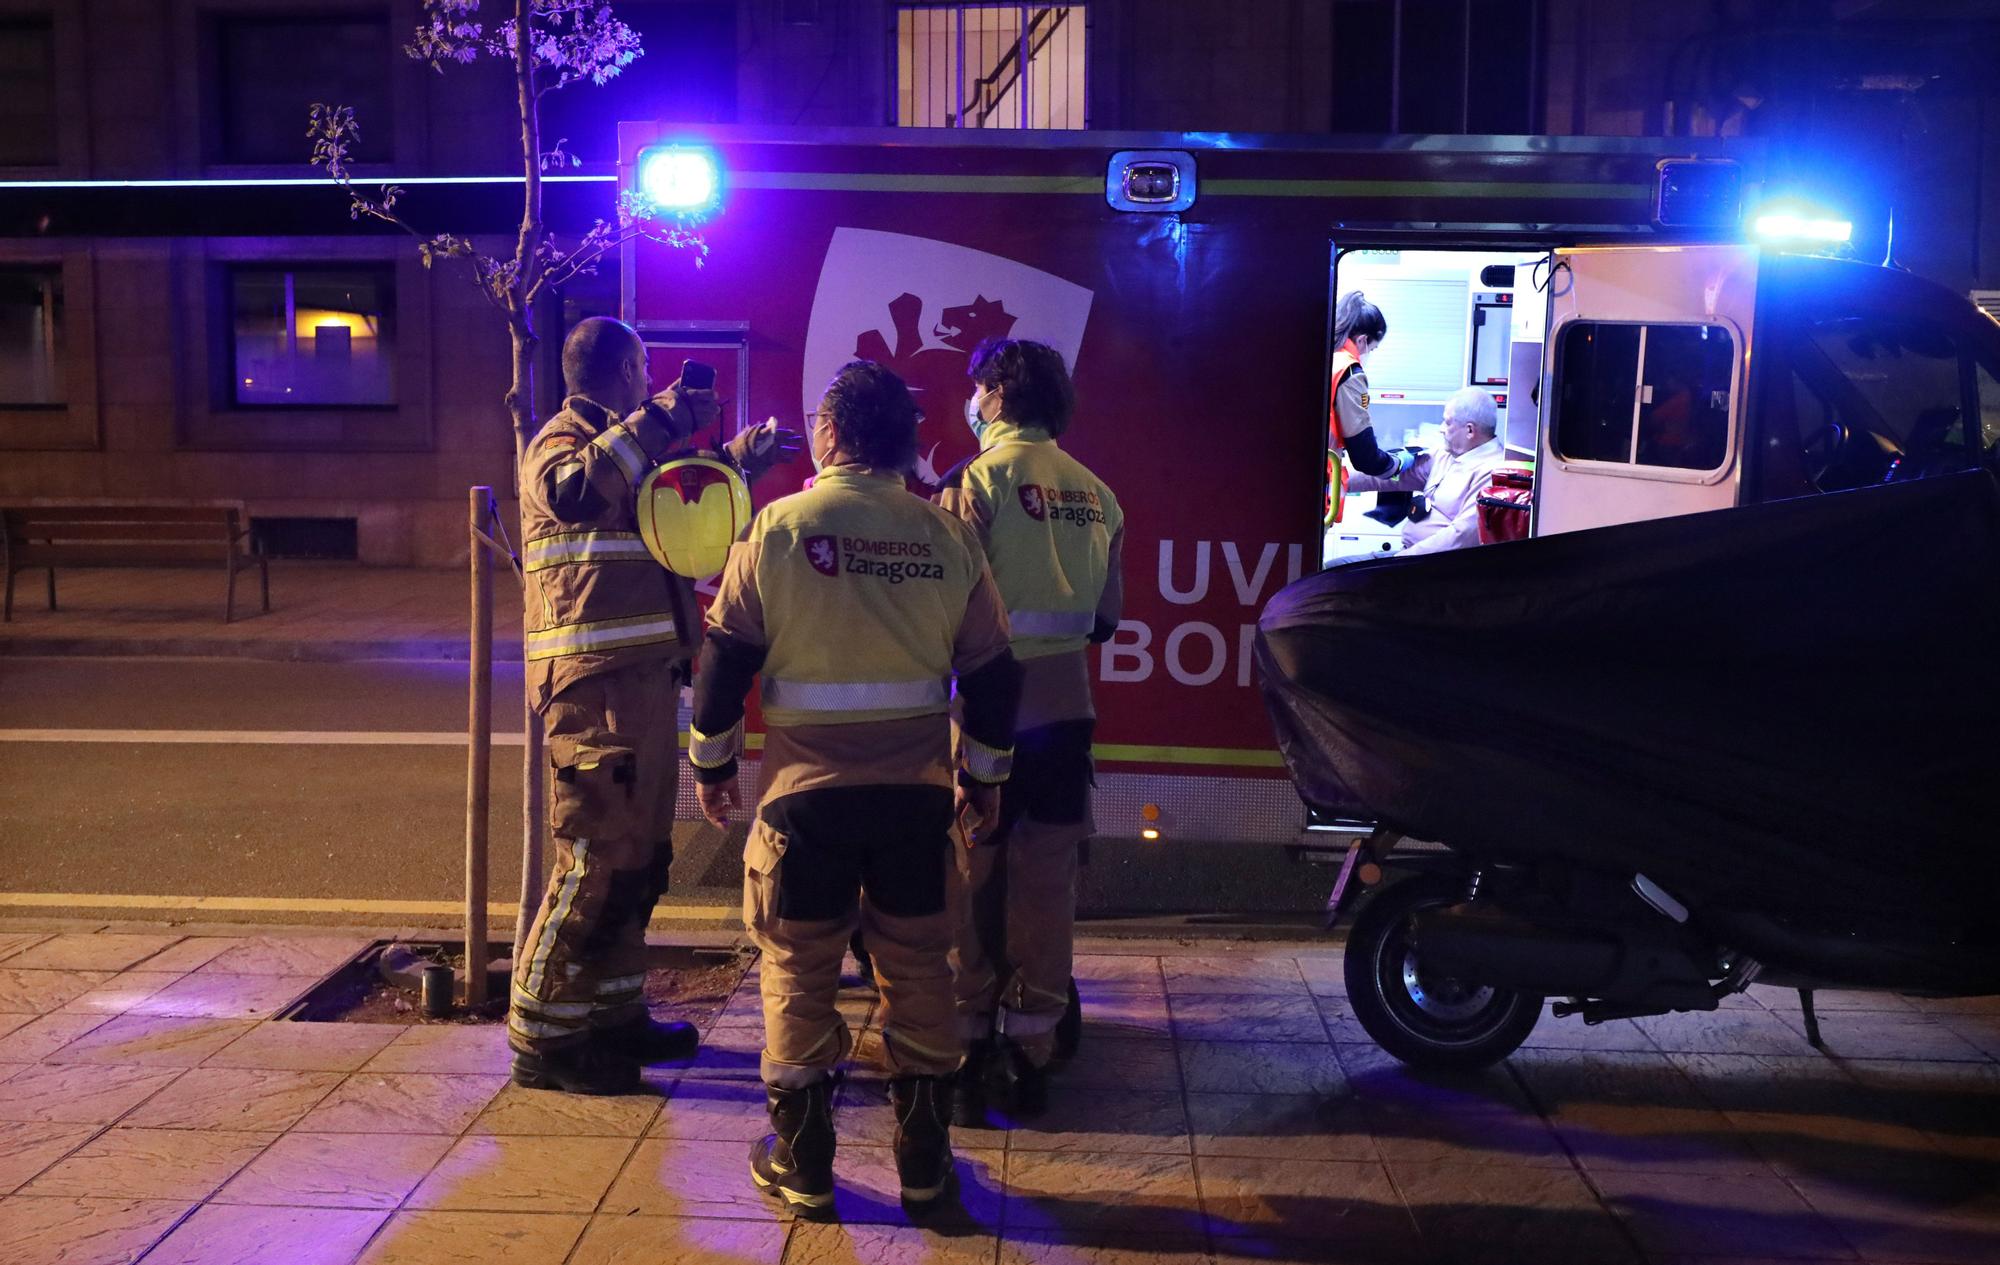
(1345, 365)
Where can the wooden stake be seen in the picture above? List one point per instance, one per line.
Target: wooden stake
(478, 749)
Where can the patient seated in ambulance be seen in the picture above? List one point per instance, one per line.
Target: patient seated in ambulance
(1445, 513)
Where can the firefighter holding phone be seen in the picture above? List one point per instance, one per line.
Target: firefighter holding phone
(610, 633)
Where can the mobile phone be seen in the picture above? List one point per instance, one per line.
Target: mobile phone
(696, 376)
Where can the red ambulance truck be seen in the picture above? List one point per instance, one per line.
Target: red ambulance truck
(1189, 279)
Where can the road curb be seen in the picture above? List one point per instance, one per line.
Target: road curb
(315, 651)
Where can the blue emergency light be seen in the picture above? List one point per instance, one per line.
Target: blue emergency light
(684, 179)
(1789, 222)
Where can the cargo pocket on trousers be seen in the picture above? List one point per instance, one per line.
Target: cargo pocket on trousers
(763, 851)
(595, 791)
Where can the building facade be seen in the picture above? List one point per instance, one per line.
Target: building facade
(173, 324)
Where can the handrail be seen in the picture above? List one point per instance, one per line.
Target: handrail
(987, 90)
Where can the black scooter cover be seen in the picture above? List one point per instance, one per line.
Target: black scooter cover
(1792, 706)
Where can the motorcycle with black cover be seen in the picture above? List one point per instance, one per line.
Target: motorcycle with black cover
(1665, 759)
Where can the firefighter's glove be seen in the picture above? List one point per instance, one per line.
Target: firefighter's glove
(763, 446)
(679, 412)
(718, 800)
(978, 809)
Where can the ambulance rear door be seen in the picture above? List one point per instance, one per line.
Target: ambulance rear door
(1644, 401)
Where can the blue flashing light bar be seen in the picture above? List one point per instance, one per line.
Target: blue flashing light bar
(686, 179)
(1794, 224)
(266, 182)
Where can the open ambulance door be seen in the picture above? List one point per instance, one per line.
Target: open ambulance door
(1645, 373)
(1459, 315)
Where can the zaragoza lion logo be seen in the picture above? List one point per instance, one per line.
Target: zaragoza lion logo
(1032, 501)
(940, 300)
(823, 554)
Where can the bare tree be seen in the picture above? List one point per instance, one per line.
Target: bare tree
(548, 45)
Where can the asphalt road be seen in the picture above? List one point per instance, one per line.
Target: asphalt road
(335, 792)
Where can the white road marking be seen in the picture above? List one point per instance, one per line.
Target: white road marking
(259, 737)
(299, 905)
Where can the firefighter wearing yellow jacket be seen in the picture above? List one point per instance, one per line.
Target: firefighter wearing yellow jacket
(608, 641)
(857, 603)
(1054, 533)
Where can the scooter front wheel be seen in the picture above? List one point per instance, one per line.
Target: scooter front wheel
(1423, 1017)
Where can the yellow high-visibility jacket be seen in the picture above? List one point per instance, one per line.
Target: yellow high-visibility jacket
(1053, 532)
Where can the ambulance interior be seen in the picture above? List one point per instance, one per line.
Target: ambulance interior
(1456, 318)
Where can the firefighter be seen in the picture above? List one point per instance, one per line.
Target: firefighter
(1358, 329)
(608, 643)
(1054, 533)
(857, 602)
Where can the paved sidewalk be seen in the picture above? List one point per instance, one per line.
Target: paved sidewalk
(1224, 1107)
(319, 610)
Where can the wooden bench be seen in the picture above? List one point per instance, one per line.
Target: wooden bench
(55, 534)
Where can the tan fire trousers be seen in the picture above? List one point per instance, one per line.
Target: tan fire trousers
(1017, 934)
(616, 757)
(818, 864)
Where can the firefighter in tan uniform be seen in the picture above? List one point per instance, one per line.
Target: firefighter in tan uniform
(857, 603)
(609, 638)
(1054, 534)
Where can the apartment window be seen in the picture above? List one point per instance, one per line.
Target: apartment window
(28, 106)
(1439, 67)
(991, 65)
(312, 337)
(269, 71)
(31, 346)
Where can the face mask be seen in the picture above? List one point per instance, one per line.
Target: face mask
(975, 414)
(812, 449)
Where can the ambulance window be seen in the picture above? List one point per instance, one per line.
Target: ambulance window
(1908, 373)
(1684, 397)
(1672, 380)
(1597, 369)
(1989, 412)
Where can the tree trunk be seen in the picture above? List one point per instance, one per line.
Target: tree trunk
(521, 411)
(521, 406)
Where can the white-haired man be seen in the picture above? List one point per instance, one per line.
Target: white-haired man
(1451, 481)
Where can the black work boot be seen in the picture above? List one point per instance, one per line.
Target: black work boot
(923, 1136)
(1027, 1085)
(1069, 1029)
(583, 1067)
(649, 1041)
(968, 1087)
(795, 1163)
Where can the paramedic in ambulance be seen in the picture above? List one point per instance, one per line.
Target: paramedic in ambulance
(1448, 515)
(858, 604)
(1358, 328)
(1054, 533)
(609, 637)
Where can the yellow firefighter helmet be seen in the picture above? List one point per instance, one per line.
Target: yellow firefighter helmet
(691, 510)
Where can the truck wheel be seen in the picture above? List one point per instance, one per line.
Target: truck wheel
(1426, 1019)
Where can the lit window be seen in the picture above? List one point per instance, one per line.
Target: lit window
(31, 349)
(313, 337)
(990, 65)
